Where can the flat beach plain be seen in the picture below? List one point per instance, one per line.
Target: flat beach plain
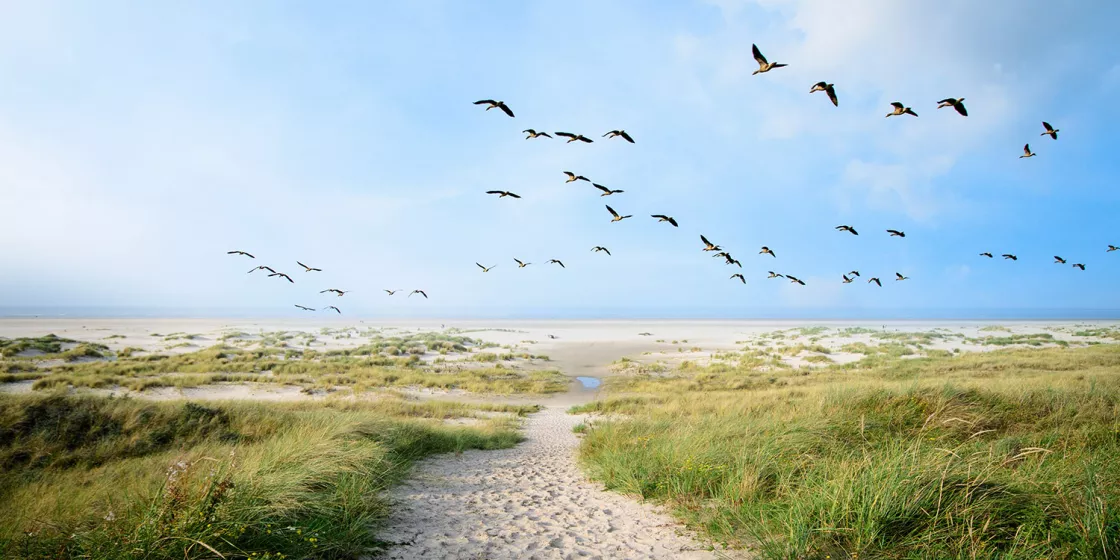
(757, 435)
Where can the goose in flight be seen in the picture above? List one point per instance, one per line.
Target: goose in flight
(1112, 248)
(617, 218)
(262, 267)
(556, 261)
(900, 109)
(240, 253)
(484, 268)
(766, 251)
(854, 273)
(848, 229)
(598, 249)
(740, 277)
(794, 280)
(1027, 152)
(421, 292)
(899, 276)
(521, 264)
(763, 65)
(606, 191)
(391, 292)
(573, 137)
(308, 268)
(708, 245)
(664, 218)
(1079, 265)
(876, 281)
(828, 89)
(846, 279)
(986, 254)
(337, 310)
(503, 194)
(574, 177)
(957, 104)
(282, 275)
(621, 133)
(490, 103)
(774, 274)
(1053, 132)
(896, 233)
(1009, 256)
(336, 291)
(534, 134)
(305, 308)
(1059, 260)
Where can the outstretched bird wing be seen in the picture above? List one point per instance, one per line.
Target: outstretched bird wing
(601, 187)
(831, 91)
(611, 210)
(626, 136)
(486, 102)
(505, 109)
(757, 54)
(897, 105)
(566, 134)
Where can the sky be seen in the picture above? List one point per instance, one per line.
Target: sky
(141, 141)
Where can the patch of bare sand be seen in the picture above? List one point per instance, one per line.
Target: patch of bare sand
(530, 501)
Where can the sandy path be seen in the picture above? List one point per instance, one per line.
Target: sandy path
(530, 501)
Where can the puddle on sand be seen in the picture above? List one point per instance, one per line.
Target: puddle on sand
(589, 382)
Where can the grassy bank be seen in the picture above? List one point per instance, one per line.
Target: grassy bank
(1009, 454)
(91, 477)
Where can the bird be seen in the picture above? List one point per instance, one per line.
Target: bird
(573, 137)
(574, 177)
(282, 275)
(240, 253)
(708, 245)
(664, 218)
(335, 290)
(598, 249)
(876, 281)
(733, 261)
(774, 274)
(957, 104)
(617, 218)
(305, 308)
(485, 268)
(828, 89)
(740, 277)
(848, 229)
(334, 308)
(503, 194)
(1059, 260)
(522, 264)
(606, 191)
(308, 268)
(534, 134)
(621, 133)
(899, 276)
(900, 109)
(1027, 151)
(491, 104)
(986, 254)
(556, 261)
(1053, 132)
(262, 267)
(1112, 248)
(763, 65)
(766, 251)
(421, 292)
(854, 273)
(391, 292)
(793, 280)
(1079, 265)
(1009, 256)
(896, 233)
(846, 279)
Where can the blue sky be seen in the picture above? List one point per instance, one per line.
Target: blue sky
(140, 141)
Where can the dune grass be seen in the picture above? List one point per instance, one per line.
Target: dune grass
(97, 477)
(1007, 454)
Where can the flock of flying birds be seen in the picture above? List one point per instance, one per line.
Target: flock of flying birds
(898, 109)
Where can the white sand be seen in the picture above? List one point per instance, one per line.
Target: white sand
(531, 501)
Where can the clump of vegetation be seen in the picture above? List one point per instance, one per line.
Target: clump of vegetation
(1034, 339)
(92, 477)
(1004, 454)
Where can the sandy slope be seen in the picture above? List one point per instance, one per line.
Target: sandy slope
(530, 501)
